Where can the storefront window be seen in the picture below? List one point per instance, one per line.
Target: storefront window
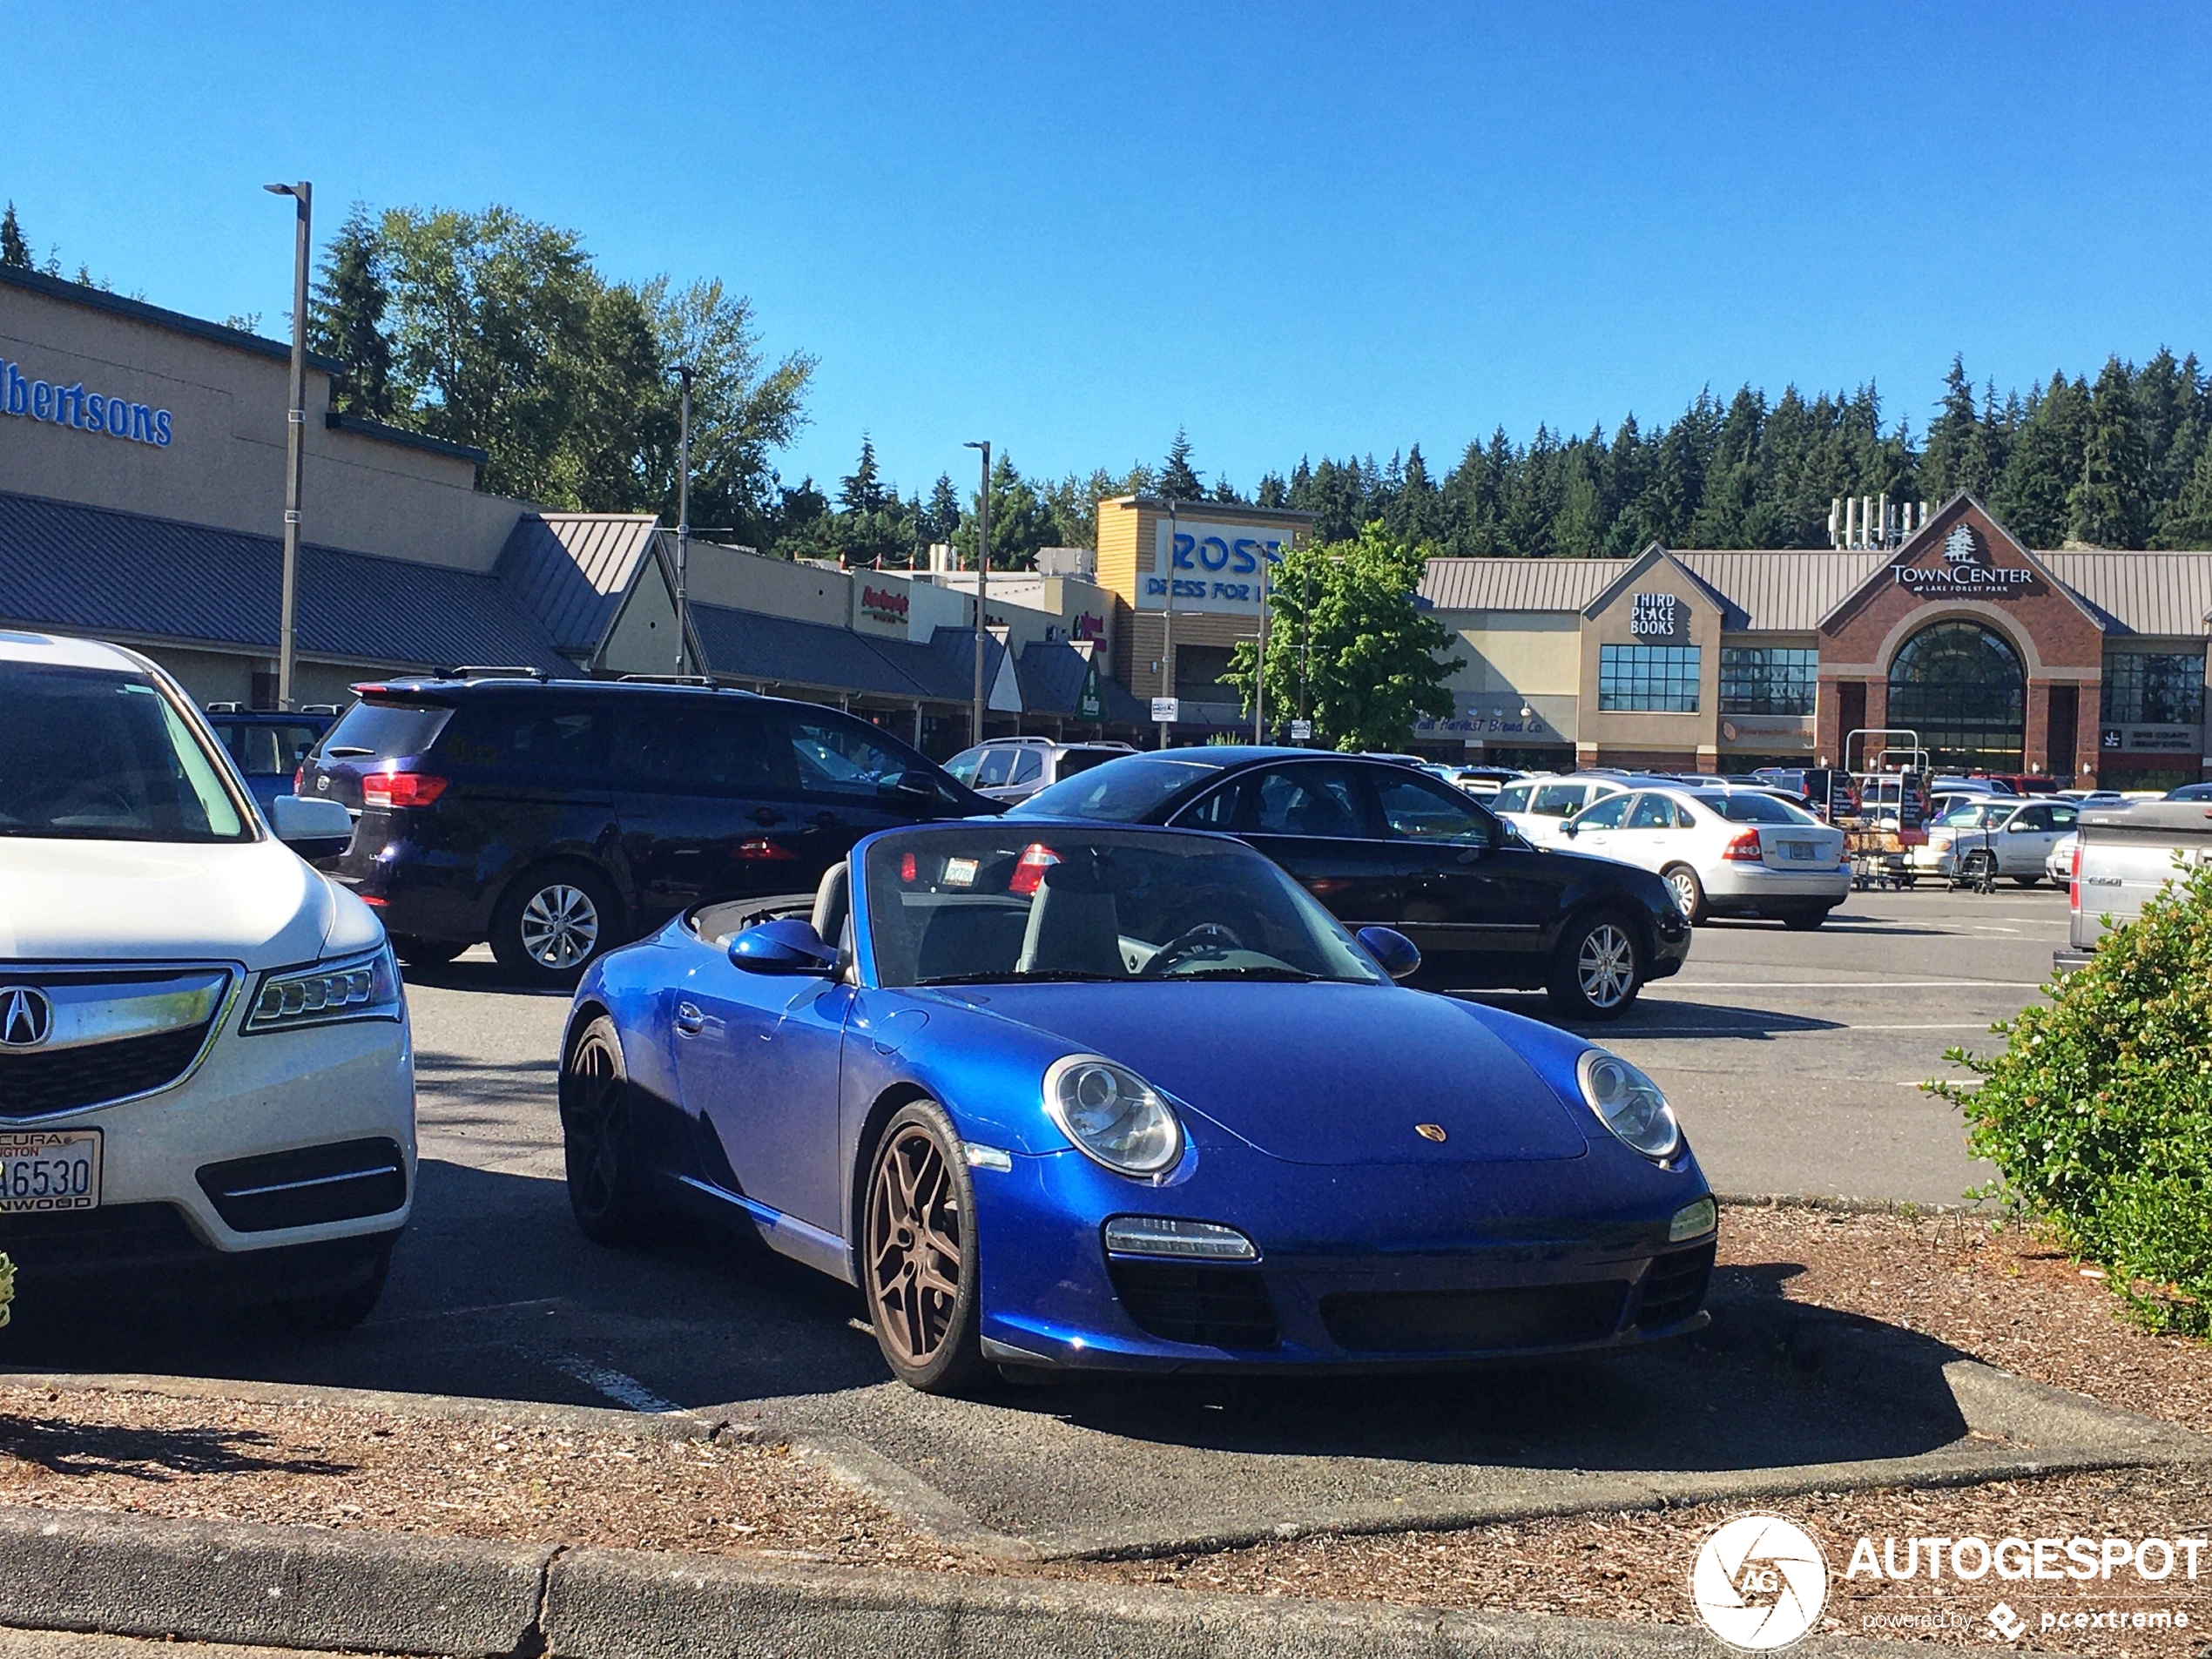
(1961, 688)
(1767, 679)
(2148, 688)
(1654, 678)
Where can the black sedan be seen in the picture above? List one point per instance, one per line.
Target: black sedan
(1382, 844)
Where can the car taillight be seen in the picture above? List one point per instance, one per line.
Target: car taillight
(1745, 848)
(299, 776)
(908, 870)
(2073, 880)
(760, 846)
(394, 789)
(1028, 870)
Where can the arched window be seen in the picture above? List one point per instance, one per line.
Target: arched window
(1961, 687)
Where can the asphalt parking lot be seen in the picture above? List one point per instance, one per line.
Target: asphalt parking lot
(1791, 1057)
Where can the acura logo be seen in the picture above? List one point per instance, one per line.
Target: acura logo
(26, 1017)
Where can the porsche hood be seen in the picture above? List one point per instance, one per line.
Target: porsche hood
(1319, 1074)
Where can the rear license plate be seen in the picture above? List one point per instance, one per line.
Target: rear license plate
(43, 1169)
(1804, 851)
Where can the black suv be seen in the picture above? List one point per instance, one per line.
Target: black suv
(1378, 841)
(558, 819)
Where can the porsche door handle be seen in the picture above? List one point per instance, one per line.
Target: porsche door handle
(689, 1021)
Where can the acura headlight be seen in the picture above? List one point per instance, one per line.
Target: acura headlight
(1112, 1115)
(360, 988)
(1628, 1104)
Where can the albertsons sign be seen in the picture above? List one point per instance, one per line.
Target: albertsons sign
(72, 405)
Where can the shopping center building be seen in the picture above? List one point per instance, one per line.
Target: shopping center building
(2087, 663)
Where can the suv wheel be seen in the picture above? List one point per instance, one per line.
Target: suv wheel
(551, 922)
(427, 952)
(1598, 968)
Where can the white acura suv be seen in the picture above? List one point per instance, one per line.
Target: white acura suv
(207, 1081)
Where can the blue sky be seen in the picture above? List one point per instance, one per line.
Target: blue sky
(1294, 229)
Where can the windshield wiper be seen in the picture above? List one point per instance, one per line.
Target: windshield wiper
(1068, 976)
(1288, 975)
(344, 749)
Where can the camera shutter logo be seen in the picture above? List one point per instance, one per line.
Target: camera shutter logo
(26, 1017)
(1759, 1582)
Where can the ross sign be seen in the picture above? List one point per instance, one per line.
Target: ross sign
(1965, 569)
(72, 406)
(1216, 567)
(1301, 731)
(1653, 616)
(1167, 709)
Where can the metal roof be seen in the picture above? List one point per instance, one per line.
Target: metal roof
(1518, 584)
(90, 570)
(780, 651)
(1782, 589)
(571, 569)
(2143, 593)
(1051, 674)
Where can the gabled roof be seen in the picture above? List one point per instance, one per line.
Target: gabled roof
(1732, 615)
(1930, 534)
(2166, 594)
(1052, 673)
(1517, 584)
(1786, 590)
(90, 570)
(570, 570)
(751, 645)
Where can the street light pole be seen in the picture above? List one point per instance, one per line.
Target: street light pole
(982, 581)
(295, 441)
(1167, 625)
(684, 372)
(1259, 667)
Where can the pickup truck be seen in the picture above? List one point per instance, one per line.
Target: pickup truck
(2123, 855)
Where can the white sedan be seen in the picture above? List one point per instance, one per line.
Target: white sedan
(206, 1085)
(1724, 852)
(1538, 807)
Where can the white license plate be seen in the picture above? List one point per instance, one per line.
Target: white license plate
(43, 1169)
(1803, 850)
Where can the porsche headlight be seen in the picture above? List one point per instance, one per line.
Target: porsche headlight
(1628, 1104)
(357, 988)
(1113, 1116)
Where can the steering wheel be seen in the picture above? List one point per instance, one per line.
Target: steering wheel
(1208, 937)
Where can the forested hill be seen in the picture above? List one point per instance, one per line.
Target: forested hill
(2122, 462)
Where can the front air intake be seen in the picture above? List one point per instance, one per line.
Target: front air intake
(341, 1182)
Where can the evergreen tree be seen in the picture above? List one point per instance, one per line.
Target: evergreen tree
(1020, 523)
(14, 251)
(346, 317)
(940, 516)
(1177, 482)
(861, 490)
(1947, 458)
(2032, 495)
(2107, 505)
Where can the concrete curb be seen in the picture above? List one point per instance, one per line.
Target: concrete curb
(299, 1587)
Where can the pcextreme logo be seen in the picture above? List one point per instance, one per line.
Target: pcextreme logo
(1759, 1582)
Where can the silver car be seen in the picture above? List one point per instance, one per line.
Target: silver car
(1012, 769)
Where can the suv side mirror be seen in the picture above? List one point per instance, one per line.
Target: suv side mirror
(788, 945)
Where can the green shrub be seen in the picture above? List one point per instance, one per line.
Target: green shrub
(2098, 1114)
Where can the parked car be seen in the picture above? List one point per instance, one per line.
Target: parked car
(1482, 782)
(205, 1089)
(2190, 792)
(1974, 785)
(1385, 844)
(268, 748)
(1829, 791)
(1723, 851)
(2027, 783)
(558, 817)
(2122, 856)
(1190, 1120)
(2004, 835)
(1538, 807)
(2058, 863)
(1011, 769)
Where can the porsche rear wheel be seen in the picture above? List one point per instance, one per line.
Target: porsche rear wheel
(918, 1253)
(598, 1140)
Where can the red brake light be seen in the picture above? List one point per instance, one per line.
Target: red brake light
(1028, 870)
(2073, 880)
(907, 868)
(1745, 848)
(394, 789)
(760, 847)
(299, 776)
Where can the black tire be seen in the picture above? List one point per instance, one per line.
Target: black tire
(1689, 892)
(1806, 919)
(916, 1217)
(1598, 967)
(551, 921)
(427, 952)
(334, 1312)
(599, 1140)
(2027, 880)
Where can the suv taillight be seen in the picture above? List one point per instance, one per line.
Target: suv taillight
(1745, 848)
(2073, 880)
(299, 776)
(1028, 870)
(390, 790)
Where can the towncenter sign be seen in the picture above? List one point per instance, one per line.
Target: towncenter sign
(1966, 569)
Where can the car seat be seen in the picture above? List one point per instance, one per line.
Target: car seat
(1075, 925)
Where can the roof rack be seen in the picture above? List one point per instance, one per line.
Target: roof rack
(223, 708)
(318, 708)
(492, 671)
(706, 680)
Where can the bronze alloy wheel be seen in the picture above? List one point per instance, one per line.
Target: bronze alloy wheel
(918, 1253)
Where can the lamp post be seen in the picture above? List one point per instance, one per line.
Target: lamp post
(983, 579)
(1167, 623)
(295, 441)
(1259, 669)
(684, 373)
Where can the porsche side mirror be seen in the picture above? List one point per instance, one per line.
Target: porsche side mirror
(788, 945)
(1394, 954)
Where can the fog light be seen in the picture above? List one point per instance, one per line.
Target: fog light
(1166, 1236)
(1693, 1221)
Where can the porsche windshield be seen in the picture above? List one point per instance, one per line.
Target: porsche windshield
(968, 905)
(88, 754)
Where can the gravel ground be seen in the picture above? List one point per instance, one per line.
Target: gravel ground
(1999, 1296)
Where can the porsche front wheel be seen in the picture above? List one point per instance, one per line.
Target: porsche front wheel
(598, 1140)
(918, 1253)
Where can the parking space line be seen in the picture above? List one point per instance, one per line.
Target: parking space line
(622, 1389)
(1836, 984)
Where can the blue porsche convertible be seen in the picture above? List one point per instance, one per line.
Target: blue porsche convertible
(1069, 1096)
